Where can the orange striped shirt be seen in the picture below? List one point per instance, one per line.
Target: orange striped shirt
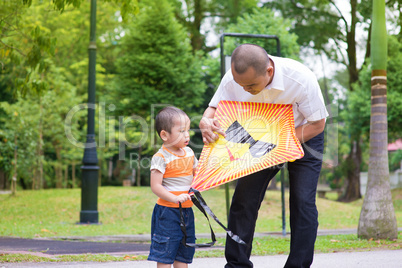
(177, 173)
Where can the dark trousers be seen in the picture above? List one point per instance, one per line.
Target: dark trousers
(247, 198)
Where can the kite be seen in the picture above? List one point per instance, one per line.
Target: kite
(258, 136)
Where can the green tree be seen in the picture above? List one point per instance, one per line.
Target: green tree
(396, 8)
(19, 142)
(24, 46)
(37, 122)
(67, 66)
(264, 21)
(26, 43)
(259, 21)
(325, 27)
(357, 114)
(377, 217)
(193, 14)
(394, 89)
(156, 64)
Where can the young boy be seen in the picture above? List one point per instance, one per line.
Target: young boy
(172, 170)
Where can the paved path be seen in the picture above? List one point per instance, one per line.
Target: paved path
(57, 247)
(133, 244)
(139, 244)
(370, 259)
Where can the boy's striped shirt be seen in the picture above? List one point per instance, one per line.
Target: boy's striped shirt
(177, 172)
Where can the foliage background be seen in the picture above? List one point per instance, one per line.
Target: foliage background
(160, 52)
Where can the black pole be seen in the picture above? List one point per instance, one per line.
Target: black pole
(89, 185)
(283, 200)
(223, 71)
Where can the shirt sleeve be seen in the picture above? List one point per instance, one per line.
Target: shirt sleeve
(195, 162)
(225, 90)
(158, 163)
(311, 104)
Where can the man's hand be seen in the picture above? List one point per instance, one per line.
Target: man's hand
(210, 127)
(310, 130)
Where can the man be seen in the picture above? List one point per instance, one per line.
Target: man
(257, 77)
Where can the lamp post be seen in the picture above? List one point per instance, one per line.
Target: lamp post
(89, 184)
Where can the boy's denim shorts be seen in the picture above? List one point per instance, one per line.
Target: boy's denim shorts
(166, 244)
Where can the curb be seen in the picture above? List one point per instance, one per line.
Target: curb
(147, 237)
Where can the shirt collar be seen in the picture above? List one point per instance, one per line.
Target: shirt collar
(277, 81)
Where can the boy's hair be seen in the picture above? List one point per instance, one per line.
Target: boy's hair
(165, 118)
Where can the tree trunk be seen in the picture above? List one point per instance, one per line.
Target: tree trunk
(65, 176)
(352, 191)
(73, 175)
(377, 217)
(38, 178)
(15, 175)
(3, 180)
(351, 42)
(353, 161)
(138, 173)
(57, 167)
(197, 41)
(58, 175)
(110, 170)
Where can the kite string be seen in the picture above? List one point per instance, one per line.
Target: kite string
(205, 207)
(183, 229)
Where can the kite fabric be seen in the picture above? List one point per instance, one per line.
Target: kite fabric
(258, 136)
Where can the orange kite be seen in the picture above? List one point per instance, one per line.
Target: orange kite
(258, 136)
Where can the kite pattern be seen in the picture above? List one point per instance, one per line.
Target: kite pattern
(258, 136)
(236, 133)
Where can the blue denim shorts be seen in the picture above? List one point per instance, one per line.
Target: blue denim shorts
(166, 243)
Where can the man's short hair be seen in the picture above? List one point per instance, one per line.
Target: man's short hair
(250, 55)
(165, 118)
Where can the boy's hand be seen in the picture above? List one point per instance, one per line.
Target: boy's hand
(182, 198)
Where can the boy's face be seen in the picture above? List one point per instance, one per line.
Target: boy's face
(179, 136)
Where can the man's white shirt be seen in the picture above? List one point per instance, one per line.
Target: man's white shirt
(293, 83)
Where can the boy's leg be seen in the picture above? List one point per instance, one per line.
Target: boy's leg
(303, 178)
(185, 254)
(246, 201)
(166, 236)
(163, 265)
(178, 264)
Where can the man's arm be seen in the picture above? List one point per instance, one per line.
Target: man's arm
(209, 125)
(310, 130)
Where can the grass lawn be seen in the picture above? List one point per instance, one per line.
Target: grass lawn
(127, 211)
